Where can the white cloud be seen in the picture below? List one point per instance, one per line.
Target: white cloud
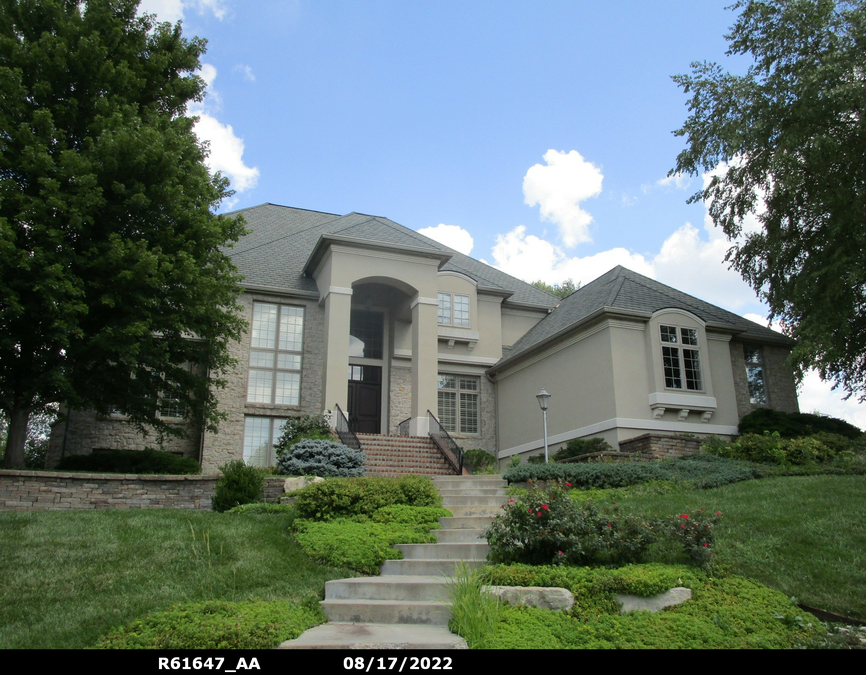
(226, 149)
(677, 180)
(246, 71)
(530, 258)
(226, 152)
(173, 10)
(452, 236)
(558, 189)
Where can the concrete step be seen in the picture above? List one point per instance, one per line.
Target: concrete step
(425, 567)
(387, 611)
(469, 482)
(456, 551)
(376, 636)
(473, 492)
(489, 510)
(456, 536)
(408, 588)
(479, 500)
(465, 523)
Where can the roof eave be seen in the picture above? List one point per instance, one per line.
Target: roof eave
(327, 240)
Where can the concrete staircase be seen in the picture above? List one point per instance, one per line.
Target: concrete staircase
(402, 455)
(407, 606)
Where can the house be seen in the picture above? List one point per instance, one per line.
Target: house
(361, 314)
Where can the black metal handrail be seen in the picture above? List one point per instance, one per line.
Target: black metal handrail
(403, 427)
(341, 426)
(449, 449)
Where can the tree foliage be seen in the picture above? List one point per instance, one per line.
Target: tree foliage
(114, 288)
(562, 290)
(786, 143)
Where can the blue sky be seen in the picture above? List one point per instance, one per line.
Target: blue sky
(536, 136)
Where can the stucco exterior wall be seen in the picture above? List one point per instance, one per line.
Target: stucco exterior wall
(517, 321)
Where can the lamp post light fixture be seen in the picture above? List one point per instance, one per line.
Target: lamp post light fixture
(543, 400)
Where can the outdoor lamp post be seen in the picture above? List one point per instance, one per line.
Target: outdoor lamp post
(543, 399)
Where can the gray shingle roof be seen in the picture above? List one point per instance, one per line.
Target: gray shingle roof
(620, 288)
(281, 239)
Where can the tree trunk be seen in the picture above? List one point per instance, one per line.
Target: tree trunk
(16, 438)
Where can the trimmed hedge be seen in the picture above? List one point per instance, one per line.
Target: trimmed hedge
(217, 625)
(146, 462)
(581, 446)
(699, 471)
(341, 497)
(793, 425)
(239, 484)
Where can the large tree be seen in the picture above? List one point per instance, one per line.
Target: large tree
(786, 143)
(114, 288)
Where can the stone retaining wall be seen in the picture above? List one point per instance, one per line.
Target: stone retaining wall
(52, 490)
(658, 446)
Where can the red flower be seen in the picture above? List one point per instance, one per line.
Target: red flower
(539, 513)
(529, 510)
(718, 513)
(609, 525)
(544, 506)
(685, 515)
(559, 553)
(510, 500)
(683, 527)
(568, 484)
(706, 544)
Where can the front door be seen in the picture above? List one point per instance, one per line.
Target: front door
(365, 399)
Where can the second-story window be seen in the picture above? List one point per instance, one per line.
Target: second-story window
(755, 374)
(453, 310)
(275, 354)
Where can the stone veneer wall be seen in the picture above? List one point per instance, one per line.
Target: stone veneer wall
(778, 380)
(658, 446)
(400, 397)
(88, 432)
(43, 490)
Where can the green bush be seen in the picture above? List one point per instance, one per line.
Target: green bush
(217, 625)
(426, 516)
(341, 497)
(238, 484)
(582, 446)
(478, 461)
(361, 546)
(772, 448)
(146, 461)
(315, 457)
(793, 425)
(300, 428)
(547, 526)
(474, 612)
(699, 471)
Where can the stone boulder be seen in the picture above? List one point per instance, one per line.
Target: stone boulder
(675, 596)
(534, 596)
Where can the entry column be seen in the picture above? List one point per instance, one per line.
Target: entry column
(338, 309)
(425, 362)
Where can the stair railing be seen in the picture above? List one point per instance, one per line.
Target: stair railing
(341, 426)
(447, 446)
(403, 427)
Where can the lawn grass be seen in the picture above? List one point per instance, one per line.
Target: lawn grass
(72, 576)
(804, 536)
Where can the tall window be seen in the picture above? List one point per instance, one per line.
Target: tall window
(260, 436)
(458, 403)
(275, 354)
(755, 374)
(453, 310)
(681, 358)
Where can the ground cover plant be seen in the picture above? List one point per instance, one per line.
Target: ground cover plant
(74, 576)
(724, 613)
(217, 625)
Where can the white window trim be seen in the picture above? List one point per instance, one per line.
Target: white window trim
(276, 352)
(680, 346)
(458, 391)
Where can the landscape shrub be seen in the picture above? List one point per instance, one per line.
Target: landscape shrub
(582, 446)
(793, 425)
(338, 497)
(548, 527)
(726, 613)
(361, 546)
(147, 461)
(325, 458)
(474, 612)
(217, 625)
(478, 461)
(695, 532)
(296, 429)
(772, 448)
(238, 484)
(426, 516)
(699, 471)
(536, 459)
